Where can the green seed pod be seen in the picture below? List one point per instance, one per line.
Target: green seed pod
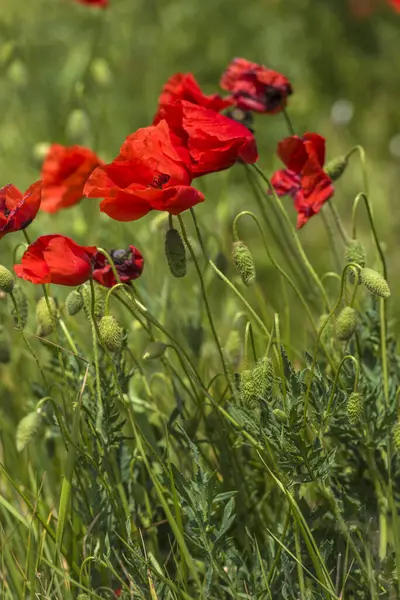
(44, 318)
(6, 280)
(396, 435)
(246, 388)
(280, 415)
(74, 302)
(99, 302)
(346, 323)
(111, 333)
(375, 283)
(20, 318)
(355, 253)
(263, 378)
(355, 404)
(244, 262)
(175, 253)
(154, 350)
(28, 429)
(336, 167)
(233, 347)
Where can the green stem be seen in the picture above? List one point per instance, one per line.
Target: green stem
(332, 239)
(288, 122)
(99, 412)
(206, 303)
(339, 224)
(294, 235)
(335, 381)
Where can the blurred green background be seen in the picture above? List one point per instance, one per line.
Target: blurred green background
(74, 74)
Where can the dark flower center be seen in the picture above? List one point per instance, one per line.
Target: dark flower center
(160, 180)
(120, 256)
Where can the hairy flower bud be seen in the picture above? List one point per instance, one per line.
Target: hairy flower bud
(246, 388)
(175, 253)
(346, 323)
(86, 292)
(154, 350)
(375, 283)
(262, 378)
(244, 262)
(396, 435)
(6, 280)
(111, 333)
(355, 253)
(28, 429)
(355, 404)
(20, 317)
(74, 302)
(280, 415)
(336, 167)
(45, 319)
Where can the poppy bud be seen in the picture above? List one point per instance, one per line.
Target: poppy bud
(243, 262)
(355, 253)
(6, 280)
(336, 167)
(86, 293)
(28, 429)
(175, 253)
(111, 333)
(101, 72)
(263, 378)
(154, 350)
(78, 127)
(246, 388)
(346, 323)
(280, 415)
(74, 302)
(355, 405)
(396, 435)
(21, 301)
(375, 283)
(45, 318)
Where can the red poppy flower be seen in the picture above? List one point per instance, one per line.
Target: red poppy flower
(18, 210)
(152, 172)
(254, 87)
(183, 86)
(100, 3)
(128, 263)
(215, 142)
(395, 4)
(64, 174)
(56, 259)
(304, 179)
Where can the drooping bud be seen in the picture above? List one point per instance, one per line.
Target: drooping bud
(336, 167)
(355, 253)
(244, 262)
(263, 378)
(6, 280)
(20, 318)
(246, 388)
(375, 283)
(45, 319)
(111, 333)
(28, 429)
(355, 404)
(99, 303)
(280, 415)
(154, 350)
(346, 323)
(175, 253)
(396, 436)
(74, 302)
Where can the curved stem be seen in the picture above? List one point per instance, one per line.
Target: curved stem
(284, 274)
(206, 303)
(288, 122)
(95, 334)
(294, 235)
(330, 315)
(364, 197)
(335, 381)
